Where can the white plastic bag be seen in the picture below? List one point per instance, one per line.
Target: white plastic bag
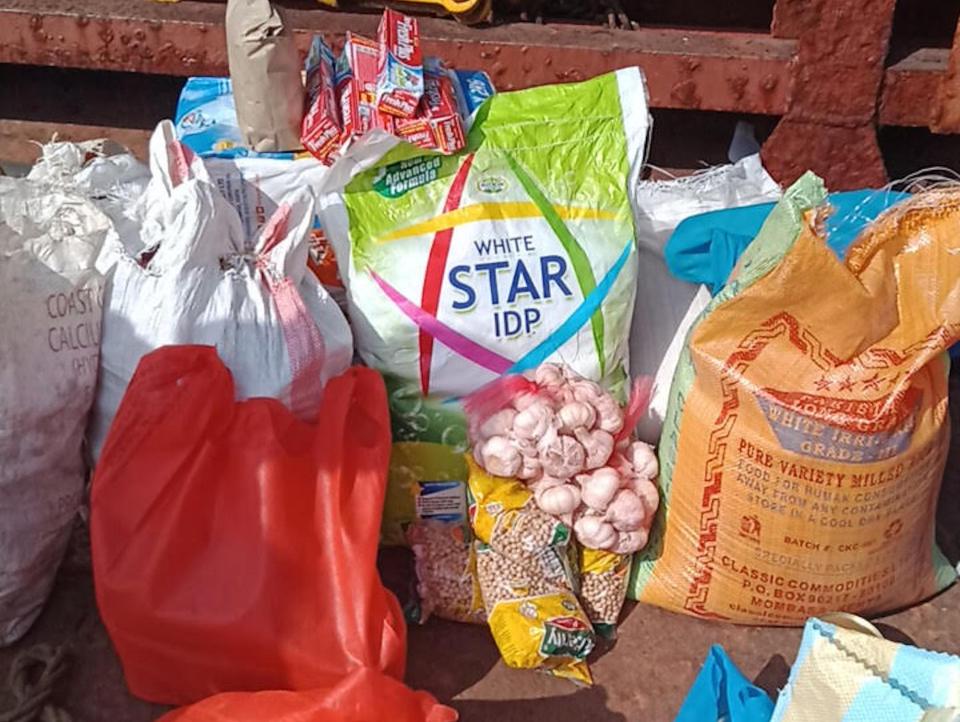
(50, 310)
(192, 275)
(665, 306)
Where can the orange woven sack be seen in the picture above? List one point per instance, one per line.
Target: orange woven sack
(234, 546)
(807, 427)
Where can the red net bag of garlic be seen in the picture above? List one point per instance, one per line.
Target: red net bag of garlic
(570, 442)
(807, 429)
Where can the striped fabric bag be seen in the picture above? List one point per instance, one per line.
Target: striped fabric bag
(846, 672)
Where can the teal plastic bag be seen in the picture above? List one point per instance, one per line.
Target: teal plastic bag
(721, 693)
(705, 248)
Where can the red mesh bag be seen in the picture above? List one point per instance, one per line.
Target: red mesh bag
(234, 546)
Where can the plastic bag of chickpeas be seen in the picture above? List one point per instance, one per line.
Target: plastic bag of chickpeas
(446, 569)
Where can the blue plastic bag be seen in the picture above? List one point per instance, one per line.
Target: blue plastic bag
(721, 693)
(705, 248)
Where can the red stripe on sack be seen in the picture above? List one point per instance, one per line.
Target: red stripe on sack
(436, 265)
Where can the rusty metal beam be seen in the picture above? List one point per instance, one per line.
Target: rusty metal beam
(789, 18)
(830, 123)
(686, 69)
(946, 116)
(910, 88)
(16, 137)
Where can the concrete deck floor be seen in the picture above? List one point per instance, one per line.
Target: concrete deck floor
(644, 676)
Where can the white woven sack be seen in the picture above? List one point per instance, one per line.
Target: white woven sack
(50, 311)
(190, 274)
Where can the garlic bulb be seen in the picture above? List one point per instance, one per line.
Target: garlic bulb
(648, 494)
(563, 458)
(594, 533)
(500, 424)
(499, 457)
(576, 415)
(631, 541)
(549, 375)
(559, 499)
(587, 391)
(530, 468)
(643, 459)
(609, 414)
(598, 445)
(626, 512)
(534, 421)
(599, 487)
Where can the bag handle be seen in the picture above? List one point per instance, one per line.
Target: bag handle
(305, 346)
(171, 162)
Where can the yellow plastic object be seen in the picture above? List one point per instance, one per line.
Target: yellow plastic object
(466, 11)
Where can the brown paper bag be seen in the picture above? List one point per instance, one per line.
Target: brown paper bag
(265, 70)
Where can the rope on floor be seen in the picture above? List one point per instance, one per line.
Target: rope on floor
(31, 680)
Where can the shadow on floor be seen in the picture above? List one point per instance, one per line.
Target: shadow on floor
(585, 704)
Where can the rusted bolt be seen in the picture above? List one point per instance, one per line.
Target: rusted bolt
(548, 61)
(738, 85)
(36, 22)
(496, 50)
(524, 49)
(124, 39)
(685, 94)
(83, 21)
(139, 34)
(769, 83)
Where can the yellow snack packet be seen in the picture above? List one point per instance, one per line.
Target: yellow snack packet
(503, 514)
(536, 622)
(603, 587)
(523, 558)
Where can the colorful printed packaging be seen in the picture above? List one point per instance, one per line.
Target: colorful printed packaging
(321, 131)
(356, 74)
(206, 120)
(516, 252)
(473, 88)
(438, 124)
(399, 66)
